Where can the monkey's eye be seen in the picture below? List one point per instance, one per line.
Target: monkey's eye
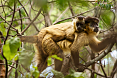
(77, 24)
(81, 24)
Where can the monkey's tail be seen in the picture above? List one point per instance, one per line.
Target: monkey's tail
(29, 39)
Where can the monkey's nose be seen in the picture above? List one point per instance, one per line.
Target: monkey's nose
(79, 28)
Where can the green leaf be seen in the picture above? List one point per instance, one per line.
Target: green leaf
(25, 58)
(1, 57)
(11, 2)
(95, 75)
(107, 17)
(57, 74)
(2, 29)
(49, 61)
(71, 71)
(28, 75)
(69, 76)
(108, 6)
(35, 74)
(11, 47)
(23, 12)
(56, 57)
(105, 0)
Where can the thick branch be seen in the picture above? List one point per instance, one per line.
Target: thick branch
(100, 56)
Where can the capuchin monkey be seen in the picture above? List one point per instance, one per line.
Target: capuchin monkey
(67, 37)
(47, 39)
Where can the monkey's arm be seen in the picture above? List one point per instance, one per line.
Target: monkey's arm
(30, 39)
(98, 46)
(80, 41)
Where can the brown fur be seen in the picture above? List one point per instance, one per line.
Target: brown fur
(47, 39)
(64, 37)
(87, 37)
(45, 42)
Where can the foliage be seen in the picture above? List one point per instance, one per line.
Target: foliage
(11, 47)
(49, 61)
(25, 58)
(58, 10)
(74, 74)
(58, 74)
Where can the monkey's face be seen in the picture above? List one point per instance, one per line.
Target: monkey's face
(80, 24)
(94, 26)
(93, 23)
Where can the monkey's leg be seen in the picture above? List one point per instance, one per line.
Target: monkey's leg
(51, 47)
(80, 41)
(75, 56)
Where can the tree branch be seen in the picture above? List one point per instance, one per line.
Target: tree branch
(100, 56)
(73, 16)
(31, 22)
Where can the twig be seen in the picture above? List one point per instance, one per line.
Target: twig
(16, 73)
(6, 39)
(3, 9)
(17, 9)
(31, 22)
(9, 24)
(103, 69)
(70, 7)
(96, 72)
(6, 6)
(12, 66)
(15, 19)
(114, 70)
(20, 18)
(73, 16)
(29, 16)
(62, 14)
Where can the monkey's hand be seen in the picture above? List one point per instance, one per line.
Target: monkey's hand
(81, 68)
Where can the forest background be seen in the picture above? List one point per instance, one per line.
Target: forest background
(28, 17)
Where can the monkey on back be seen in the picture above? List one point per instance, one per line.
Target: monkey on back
(70, 37)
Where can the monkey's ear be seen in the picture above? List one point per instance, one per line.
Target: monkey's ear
(96, 19)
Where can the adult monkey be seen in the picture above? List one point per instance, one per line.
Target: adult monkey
(82, 38)
(46, 41)
(88, 37)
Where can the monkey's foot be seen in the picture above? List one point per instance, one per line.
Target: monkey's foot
(81, 68)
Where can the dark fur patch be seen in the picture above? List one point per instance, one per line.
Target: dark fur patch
(80, 17)
(91, 19)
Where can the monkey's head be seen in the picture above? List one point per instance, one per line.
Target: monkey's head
(91, 24)
(79, 23)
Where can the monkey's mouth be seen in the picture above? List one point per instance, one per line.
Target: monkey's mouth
(80, 29)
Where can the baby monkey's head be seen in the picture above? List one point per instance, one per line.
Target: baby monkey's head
(79, 23)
